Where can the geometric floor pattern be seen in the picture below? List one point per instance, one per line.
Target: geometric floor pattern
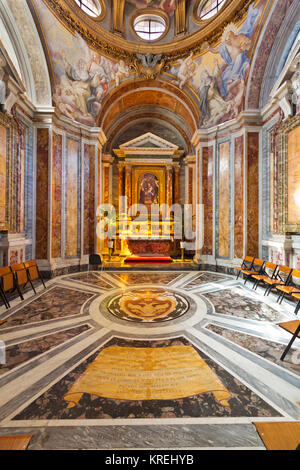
(146, 360)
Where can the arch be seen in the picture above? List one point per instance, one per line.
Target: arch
(28, 51)
(152, 99)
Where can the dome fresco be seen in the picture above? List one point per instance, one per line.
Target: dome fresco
(215, 78)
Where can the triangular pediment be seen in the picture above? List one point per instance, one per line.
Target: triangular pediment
(148, 140)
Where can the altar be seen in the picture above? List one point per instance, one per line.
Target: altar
(149, 246)
(145, 191)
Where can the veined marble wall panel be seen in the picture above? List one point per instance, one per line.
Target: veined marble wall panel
(3, 156)
(56, 196)
(239, 197)
(42, 193)
(252, 193)
(207, 199)
(72, 187)
(20, 175)
(89, 198)
(223, 202)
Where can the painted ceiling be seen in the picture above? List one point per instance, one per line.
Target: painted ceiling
(202, 87)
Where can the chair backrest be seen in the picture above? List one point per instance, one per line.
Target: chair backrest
(7, 278)
(248, 262)
(270, 269)
(296, 274)
(258, 265)
(284, 273)
(94, 259)
(20, 272)
(31, 267)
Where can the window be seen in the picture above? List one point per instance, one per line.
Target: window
(90, 7)
(149, 27)
(209, 8)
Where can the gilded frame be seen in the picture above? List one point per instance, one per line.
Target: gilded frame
(158, 171)
(285, 225)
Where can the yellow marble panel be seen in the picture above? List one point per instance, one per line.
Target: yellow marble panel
(2, 173)
(224, 199)
(147, 374)
(294, 176)
(72, 197)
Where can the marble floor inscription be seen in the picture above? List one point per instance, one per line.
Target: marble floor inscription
(128, 348)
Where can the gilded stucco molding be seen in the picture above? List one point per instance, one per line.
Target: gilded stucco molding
(118, 48)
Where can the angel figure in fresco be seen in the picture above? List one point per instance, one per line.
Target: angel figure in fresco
(234, 51)
(122, 71)
(186, 70)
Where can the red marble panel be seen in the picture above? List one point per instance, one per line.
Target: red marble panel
(89, 199)
(252, 193)
(239, 197)
(207, 199)
(2, 174)
(224, 199)
(72, 198)
(42, 193)
(56, 196)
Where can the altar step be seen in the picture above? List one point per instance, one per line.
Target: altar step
(148, 259)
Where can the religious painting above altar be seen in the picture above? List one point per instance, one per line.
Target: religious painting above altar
(148, 185)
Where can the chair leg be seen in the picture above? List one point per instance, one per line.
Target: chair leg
(4, 298)
(290, 343)
(32, 286)
(280, 298)
(297, 308)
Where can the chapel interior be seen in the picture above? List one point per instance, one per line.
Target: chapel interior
(149, 224)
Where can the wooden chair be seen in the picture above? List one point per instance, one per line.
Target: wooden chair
(292, 327)
(33, 271)
(290, 289)
(246, 264)
(257, 268)
(281, 278)
(8, 285)
(269, 272)
(21, 277)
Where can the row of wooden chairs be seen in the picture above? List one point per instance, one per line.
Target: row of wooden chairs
(280, 277)
(14, 279)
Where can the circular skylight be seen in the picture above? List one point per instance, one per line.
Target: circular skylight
(209, 8)
(90, 7)
(149, 27)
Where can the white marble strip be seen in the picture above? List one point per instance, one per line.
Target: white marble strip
(238, 362)
(16, 334)
(140, 421)
(20, 384)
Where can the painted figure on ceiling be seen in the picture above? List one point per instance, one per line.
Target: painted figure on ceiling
(234, 51)
(166, 5)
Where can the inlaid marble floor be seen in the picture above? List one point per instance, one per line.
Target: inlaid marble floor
(146, 360)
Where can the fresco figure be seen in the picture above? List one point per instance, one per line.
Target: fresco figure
(186, 70)
(166, 5)
(234, 51)
(211, 102)
(122, 71)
